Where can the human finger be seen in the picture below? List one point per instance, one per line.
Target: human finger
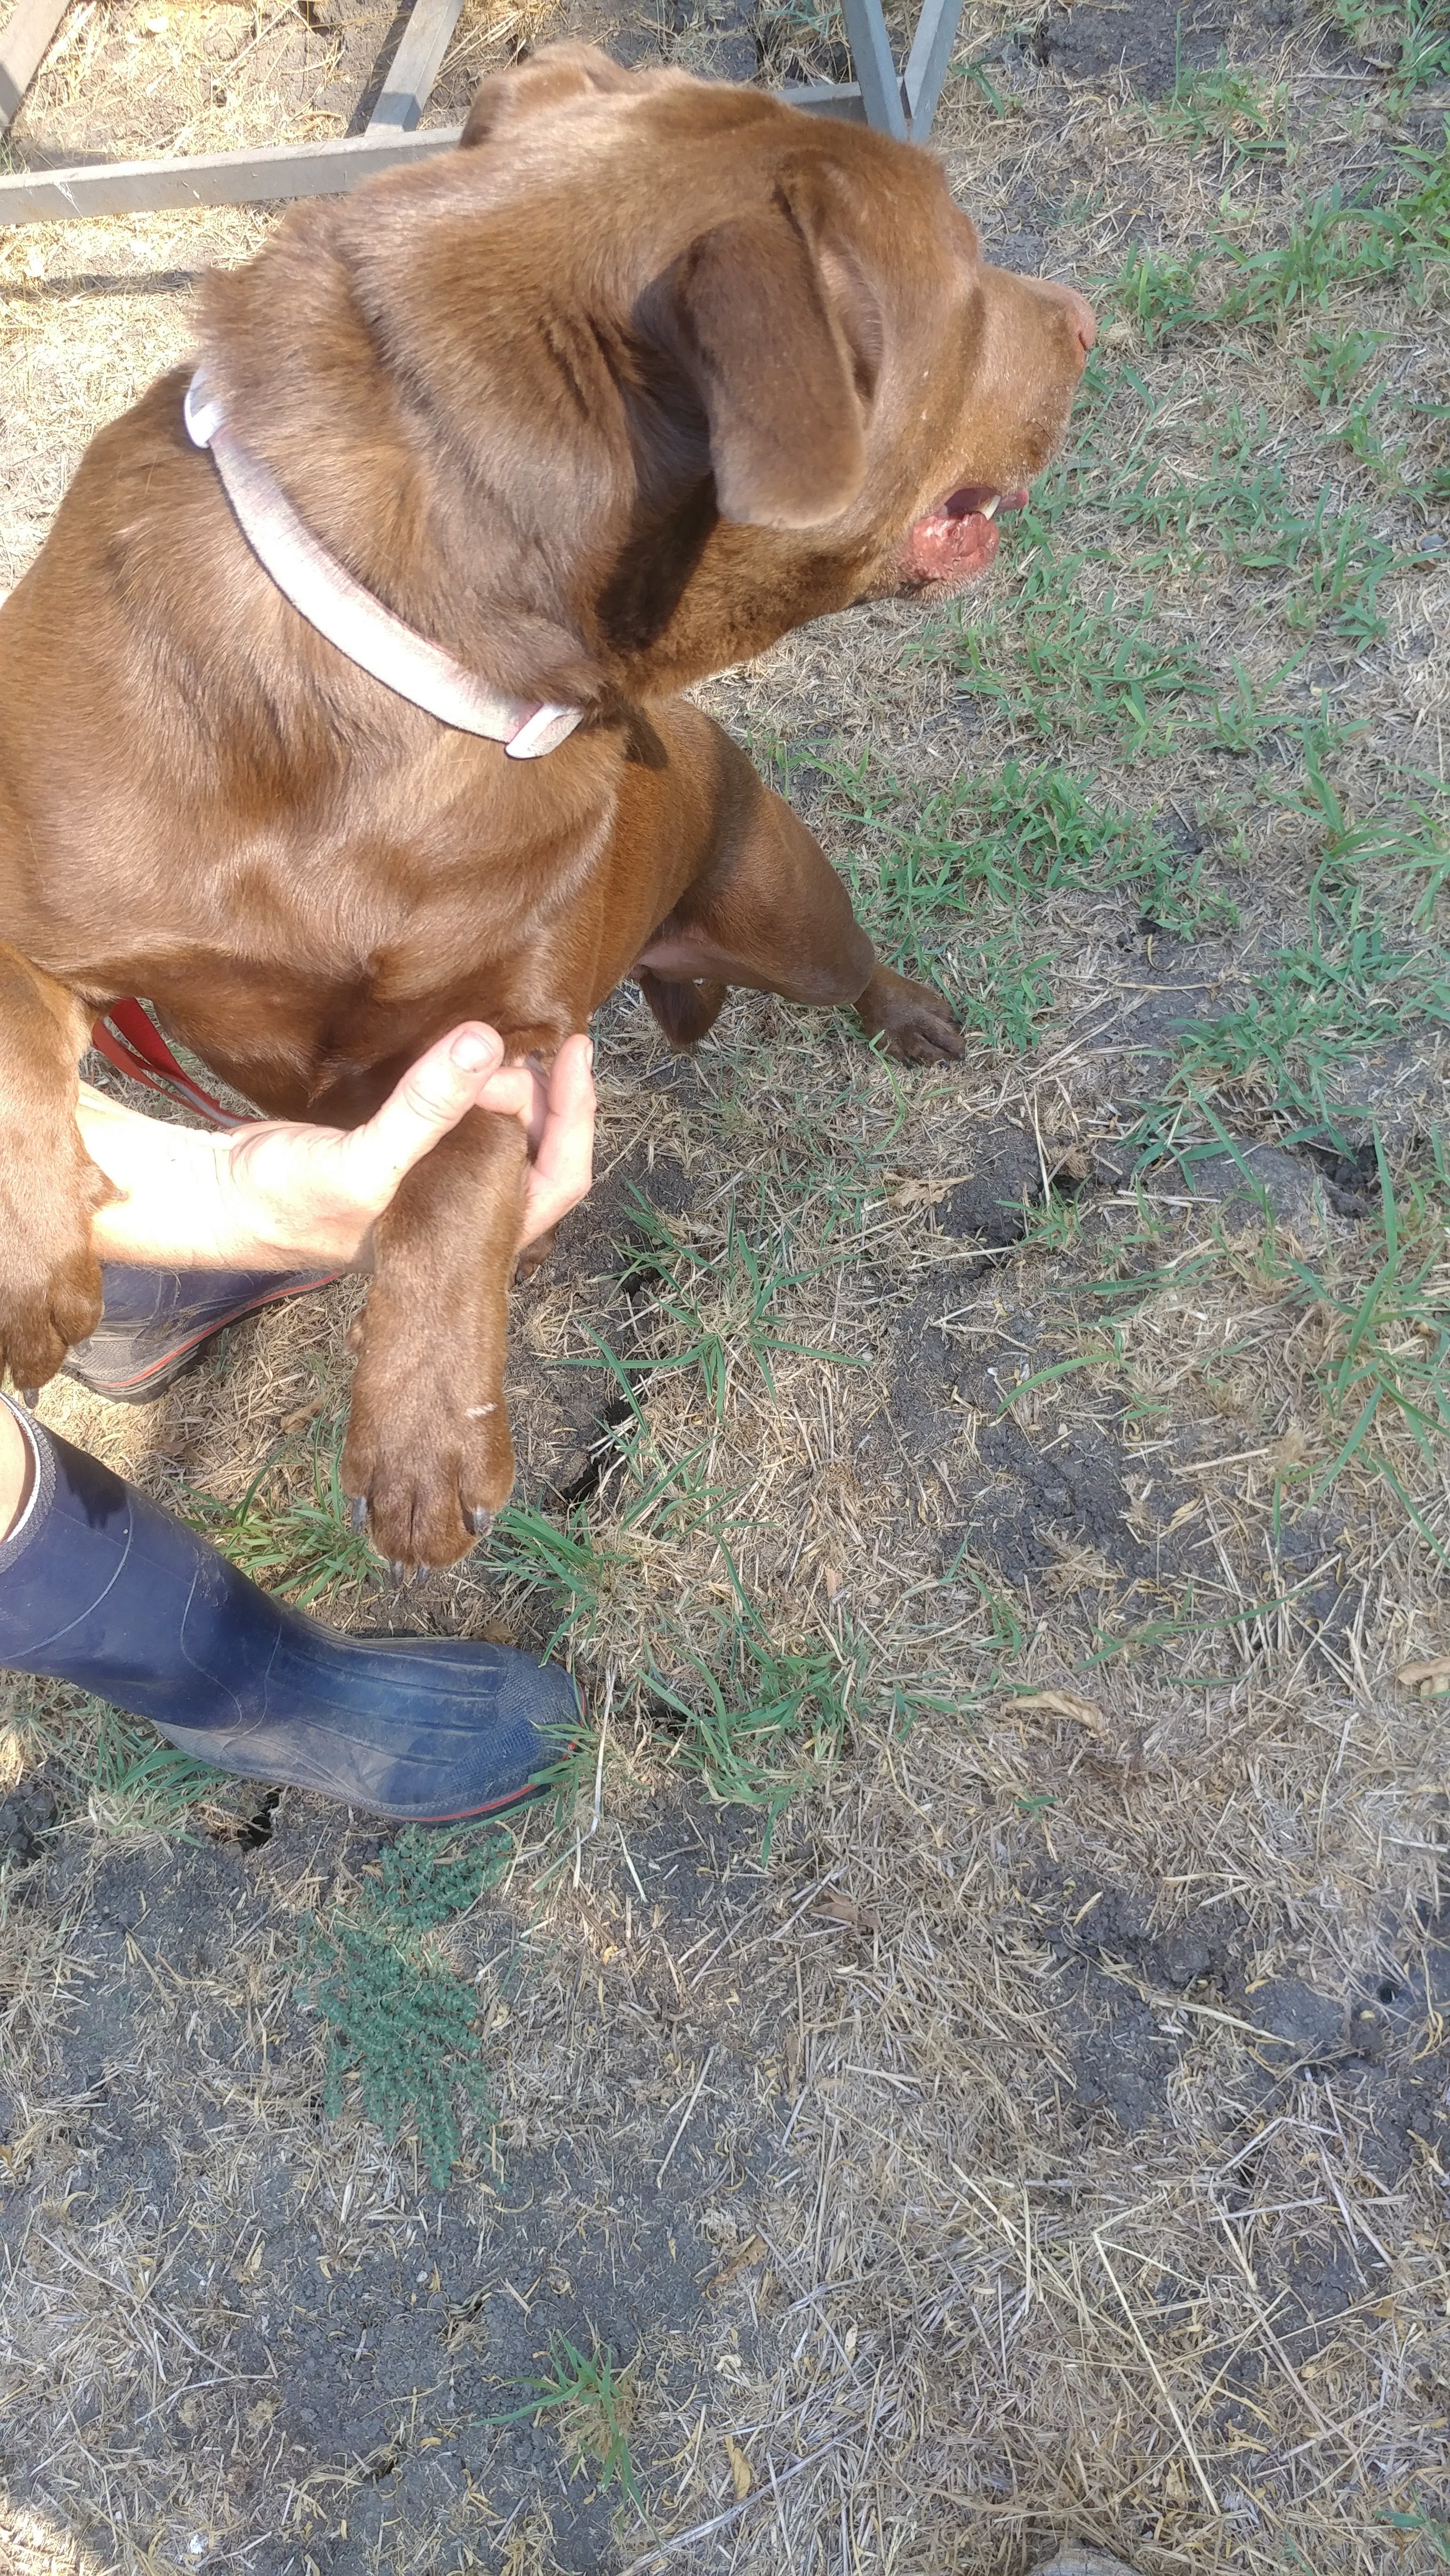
(563, 1165)
(433, 1095)
(518, 1091)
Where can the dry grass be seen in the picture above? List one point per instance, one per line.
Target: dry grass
(1053, 2120)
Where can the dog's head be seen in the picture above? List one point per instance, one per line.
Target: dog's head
(690, 366)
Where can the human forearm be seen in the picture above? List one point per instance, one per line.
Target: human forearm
(173, 1208)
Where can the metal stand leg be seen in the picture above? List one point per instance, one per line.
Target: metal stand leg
(871, 53)
(903, 104)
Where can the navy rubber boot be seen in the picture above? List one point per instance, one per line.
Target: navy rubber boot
(156, 1323)
(100, 1588)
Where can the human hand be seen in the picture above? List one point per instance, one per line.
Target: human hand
(275, 1193)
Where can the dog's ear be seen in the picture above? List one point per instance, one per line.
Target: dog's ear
(761, 337)
(549, 78)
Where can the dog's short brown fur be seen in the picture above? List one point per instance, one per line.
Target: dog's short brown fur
(650, 372)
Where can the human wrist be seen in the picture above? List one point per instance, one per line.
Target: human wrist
(278, 1206)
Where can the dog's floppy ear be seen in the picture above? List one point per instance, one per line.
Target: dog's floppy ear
(548, 78)
(756, 332)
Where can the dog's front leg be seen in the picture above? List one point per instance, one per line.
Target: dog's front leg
(50, 1279)
(428, 1449)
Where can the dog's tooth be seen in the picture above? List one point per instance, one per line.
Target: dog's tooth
(990, 508)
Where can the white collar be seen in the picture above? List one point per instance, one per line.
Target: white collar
(348, 615)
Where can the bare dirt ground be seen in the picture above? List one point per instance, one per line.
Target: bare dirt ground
(966, 2053)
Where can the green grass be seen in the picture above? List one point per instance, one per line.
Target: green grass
(1333, 360)
(295, 1544)
(1427, 2525)
(1336, 242)
(147, 1785)
(1059, 665)
(715, 1303)
(1318, 1009)
(1227, 106)
(1006, 836)
(1411, 42)
(1341, 568)
(758, 1715)
(559, 1555)
(1384, 1365)
(399, 2017)
(590, 2401)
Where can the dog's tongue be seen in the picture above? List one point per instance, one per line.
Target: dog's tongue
(959, 539)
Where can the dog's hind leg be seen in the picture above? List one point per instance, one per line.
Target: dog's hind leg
(770, 913)
(686, 1011)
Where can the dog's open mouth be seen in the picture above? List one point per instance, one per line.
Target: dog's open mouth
(961, 538)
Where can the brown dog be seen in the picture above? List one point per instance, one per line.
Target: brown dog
(650, 372)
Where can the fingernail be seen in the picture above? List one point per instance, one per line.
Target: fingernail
(591, 1054)
(471, 1054)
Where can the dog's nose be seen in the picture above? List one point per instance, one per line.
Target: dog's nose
(1081, 315)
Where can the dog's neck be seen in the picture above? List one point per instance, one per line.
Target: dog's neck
(349, 615)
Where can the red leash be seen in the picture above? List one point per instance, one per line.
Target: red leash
(129, 1039)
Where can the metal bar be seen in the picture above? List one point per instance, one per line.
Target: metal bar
(214, 178)
(24, 44)
(279, 170)
(875, 69)
(926, 64)
(826, 98)
(415, 66)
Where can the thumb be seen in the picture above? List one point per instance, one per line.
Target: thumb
(433, 1095)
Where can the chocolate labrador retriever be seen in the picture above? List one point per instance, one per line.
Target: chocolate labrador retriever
(648, 372)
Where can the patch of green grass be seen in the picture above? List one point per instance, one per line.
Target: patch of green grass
(1224, 105)
(1239, 505)
(1003, 992)
(399, 2016)
(1341, 567)
(1056, 663)
(1384, 1359)
(750, 1736)
(1410, 42)
(1013, 834)
(295, 1544)
(717, 1299)
(591, 2401)
(1404, 835)
(756, 1713)
(1158, 289)
(1315, 1012)
(561, 1555)
(1334, 358)
(1338, 241)
(146, 1784)
(930, 880)
(1428, 2525)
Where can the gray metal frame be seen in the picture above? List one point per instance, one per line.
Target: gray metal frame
(898, 103)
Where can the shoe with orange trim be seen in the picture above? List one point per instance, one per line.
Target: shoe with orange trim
(155, 1324)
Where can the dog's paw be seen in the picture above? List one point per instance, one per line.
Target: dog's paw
(425, 1475)
(914, 1021)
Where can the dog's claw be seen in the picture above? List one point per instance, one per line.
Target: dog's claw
(30, 1397)
(357, 1511)
(479, 1518)
(400, 1573)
